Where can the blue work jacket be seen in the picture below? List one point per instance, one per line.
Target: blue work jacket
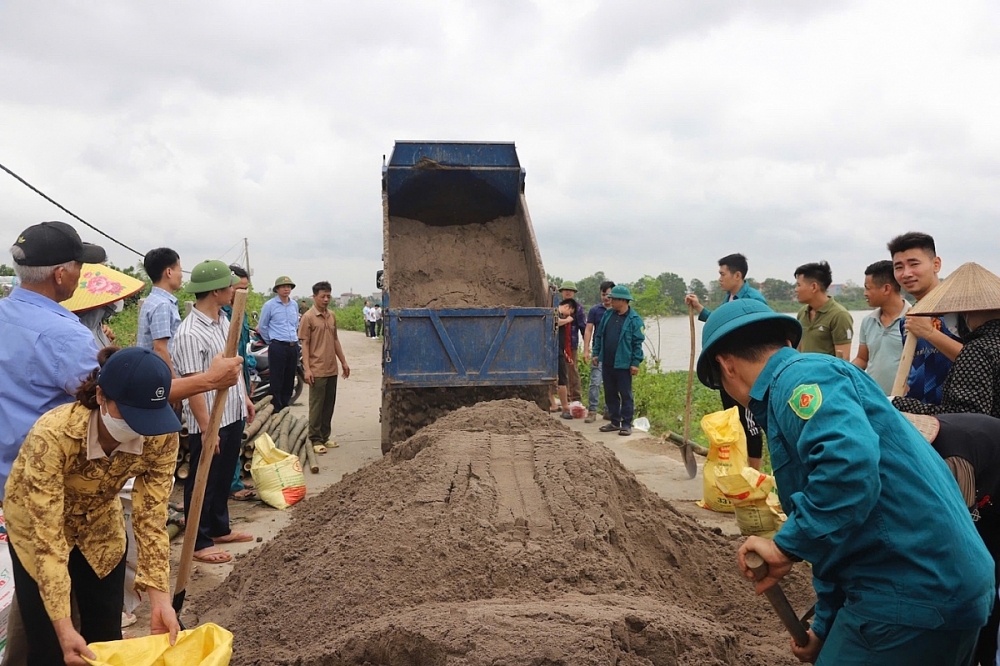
(745, 292)
(629, 353)
(870, 504)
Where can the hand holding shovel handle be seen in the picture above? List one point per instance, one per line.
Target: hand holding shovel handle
(689, 461)
(209, 438)
(778, 600)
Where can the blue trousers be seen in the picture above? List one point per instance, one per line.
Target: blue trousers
(284, 361)
(860, 642)
(618, 394)
(594, 390)
(215, 510)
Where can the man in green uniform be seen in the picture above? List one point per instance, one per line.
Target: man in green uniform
(901, 576)
(827, 327)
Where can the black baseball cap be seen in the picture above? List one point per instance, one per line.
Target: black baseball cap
(138, 381)
(54, 243)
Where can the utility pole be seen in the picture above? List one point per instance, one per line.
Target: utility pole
(246, 255)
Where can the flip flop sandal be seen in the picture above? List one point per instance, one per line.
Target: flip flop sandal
(233, 537)
(244, 495)
(215, 557)
(319, 448)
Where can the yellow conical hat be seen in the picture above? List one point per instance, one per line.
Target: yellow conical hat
(100, 285)
(969, 289)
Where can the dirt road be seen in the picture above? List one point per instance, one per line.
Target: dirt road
(356, 428)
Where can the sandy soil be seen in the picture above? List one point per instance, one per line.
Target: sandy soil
(373, 572)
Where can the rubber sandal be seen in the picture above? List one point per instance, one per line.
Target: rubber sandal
(244, 495)
(332, 445)
(234, 537)
(319, 448)
(214, 557)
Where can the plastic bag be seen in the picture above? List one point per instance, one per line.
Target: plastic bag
(208, 645)
(276, 474)
(577, 409)
(727, 454)
(641, 424)
(755, 499)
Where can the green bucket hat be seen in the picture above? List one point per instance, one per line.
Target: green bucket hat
(210, 275)
(282, 281)
(568, 286)
(731, 317)
(621, 291)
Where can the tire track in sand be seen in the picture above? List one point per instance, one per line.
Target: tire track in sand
(521, 507)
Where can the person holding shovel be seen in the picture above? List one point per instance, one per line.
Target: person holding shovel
(900, 574)
(618, 346)
(64, 518)
(732, 279)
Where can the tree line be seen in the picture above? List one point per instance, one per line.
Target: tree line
(663, 295)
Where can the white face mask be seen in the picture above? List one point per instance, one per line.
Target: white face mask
(118, 428)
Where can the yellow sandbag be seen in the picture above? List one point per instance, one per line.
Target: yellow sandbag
(276, 474)
(755, 499)
(208, 645)
(727, 454)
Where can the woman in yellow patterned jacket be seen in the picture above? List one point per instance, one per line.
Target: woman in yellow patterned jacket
(65, 522)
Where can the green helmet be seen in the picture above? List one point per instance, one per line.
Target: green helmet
(210, 275)
(568, 286)
(621, 291)
(282, 281)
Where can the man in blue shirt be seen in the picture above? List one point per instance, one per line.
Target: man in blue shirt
(916, 266)
(594, 318)
(732, 280)
(159, 316)
(279, 328)
(900, 574)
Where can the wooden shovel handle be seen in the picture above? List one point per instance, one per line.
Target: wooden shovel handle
(778, 600)
(905, 363)
(205, 459)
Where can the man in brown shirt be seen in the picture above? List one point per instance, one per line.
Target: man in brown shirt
(320, 351)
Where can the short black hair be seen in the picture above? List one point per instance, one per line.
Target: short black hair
(882, 274)
(157, 261)
(912, 240)
(569, 301)
(322, 285)
(735, 263)
(239, 271)
(607, 284)
(818, 272)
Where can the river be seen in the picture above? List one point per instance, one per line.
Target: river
(675, 339)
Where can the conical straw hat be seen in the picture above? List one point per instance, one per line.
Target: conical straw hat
(969, 289)
(927, 426)
(100, 285)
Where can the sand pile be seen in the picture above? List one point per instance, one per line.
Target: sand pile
(459, 266)
(496, 536)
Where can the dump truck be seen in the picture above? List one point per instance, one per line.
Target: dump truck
(468, 313)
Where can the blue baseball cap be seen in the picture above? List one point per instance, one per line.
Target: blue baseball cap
(730, 318)
(138, 381)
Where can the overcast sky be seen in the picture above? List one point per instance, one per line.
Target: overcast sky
(657, 135)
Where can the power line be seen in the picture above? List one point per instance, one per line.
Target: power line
(68, 211)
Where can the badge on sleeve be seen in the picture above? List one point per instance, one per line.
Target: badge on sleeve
(806, 400)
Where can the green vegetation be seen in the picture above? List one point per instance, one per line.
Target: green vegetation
(350, 317)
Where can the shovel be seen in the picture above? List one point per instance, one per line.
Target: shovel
(778, 601)
(205, 460)
(905, 363)
(689, 462)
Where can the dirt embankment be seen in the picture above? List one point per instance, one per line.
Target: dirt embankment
(457, 266)
(496, 536)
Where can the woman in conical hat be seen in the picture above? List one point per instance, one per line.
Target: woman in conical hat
(98, 296)
(973, 382)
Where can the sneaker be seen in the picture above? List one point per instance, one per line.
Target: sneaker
(128, 619)
(609, 427)
(567, 415)
(625, 431)
(591, 417)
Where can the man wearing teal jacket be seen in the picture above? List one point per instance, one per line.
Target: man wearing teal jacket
(901, 576)
(618, 345)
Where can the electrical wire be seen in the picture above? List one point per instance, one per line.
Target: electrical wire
(69, 212)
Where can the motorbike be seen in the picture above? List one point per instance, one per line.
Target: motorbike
(261, 376)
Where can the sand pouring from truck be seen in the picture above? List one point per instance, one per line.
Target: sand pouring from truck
(467, 309)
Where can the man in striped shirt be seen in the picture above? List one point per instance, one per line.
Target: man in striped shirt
(199, 338)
